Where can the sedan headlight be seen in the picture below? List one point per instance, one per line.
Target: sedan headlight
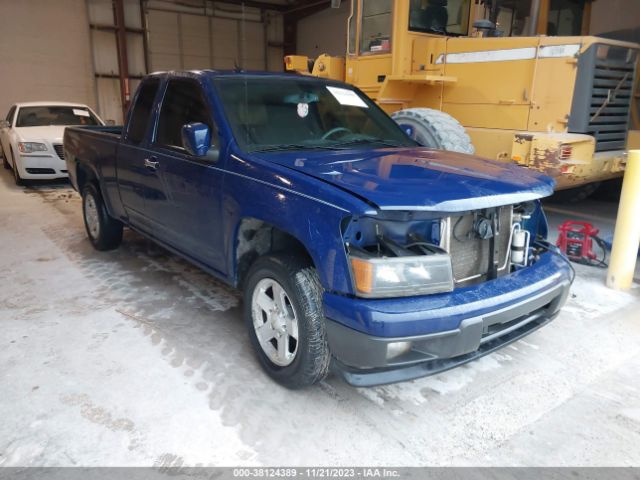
(30, 147)
(402, 276)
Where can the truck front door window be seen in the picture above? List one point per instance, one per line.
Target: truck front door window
(375, 28)
(446, 17)
(142, 111)
(183, 103)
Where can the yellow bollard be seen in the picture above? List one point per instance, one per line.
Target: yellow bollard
(626, 237)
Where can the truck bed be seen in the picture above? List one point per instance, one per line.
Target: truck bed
(94, 149)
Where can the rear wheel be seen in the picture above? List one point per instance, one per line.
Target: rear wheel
(434, 129)
(283, 314)
(105, 233)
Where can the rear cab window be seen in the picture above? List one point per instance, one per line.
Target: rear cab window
(141, 114)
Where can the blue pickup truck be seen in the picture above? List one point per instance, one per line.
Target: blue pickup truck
(357, 249)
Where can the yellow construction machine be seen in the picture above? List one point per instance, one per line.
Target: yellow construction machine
(488, 76)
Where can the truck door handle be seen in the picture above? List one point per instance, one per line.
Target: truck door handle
(148, 163)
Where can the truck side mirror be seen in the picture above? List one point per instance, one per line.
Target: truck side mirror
(4, 124)
(196, 138)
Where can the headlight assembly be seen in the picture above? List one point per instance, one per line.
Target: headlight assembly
(402, 276)
(30, 147)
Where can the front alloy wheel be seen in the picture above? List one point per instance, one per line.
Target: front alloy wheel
(285, 320)
(275, 322)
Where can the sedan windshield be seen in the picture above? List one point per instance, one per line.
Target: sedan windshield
(55, 115)
(271, 114)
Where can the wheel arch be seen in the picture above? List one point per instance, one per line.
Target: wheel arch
(84, 174)
(255, 238)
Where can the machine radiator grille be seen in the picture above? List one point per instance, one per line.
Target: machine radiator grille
(59, 150)
(603, 97)
(470, 255)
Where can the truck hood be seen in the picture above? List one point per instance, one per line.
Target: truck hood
(52, 133)
(419, 178)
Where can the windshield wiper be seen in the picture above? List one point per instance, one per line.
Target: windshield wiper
(369, 141)
(293, 146)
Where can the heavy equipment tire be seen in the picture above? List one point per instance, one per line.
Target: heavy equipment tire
(105, 233)
(575, 195)
(283, 300)
(434, 129)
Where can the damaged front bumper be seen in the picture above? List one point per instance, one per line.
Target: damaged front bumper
(375, 342)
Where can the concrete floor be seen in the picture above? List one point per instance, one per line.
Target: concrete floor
(134, 357)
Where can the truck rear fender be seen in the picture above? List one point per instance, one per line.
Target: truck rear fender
(86, 173)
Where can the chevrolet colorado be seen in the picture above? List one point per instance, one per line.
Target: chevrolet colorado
(356, 248)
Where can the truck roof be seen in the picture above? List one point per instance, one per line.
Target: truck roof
(239, 74)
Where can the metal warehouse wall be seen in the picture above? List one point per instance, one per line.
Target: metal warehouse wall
(45, 52)
(612, 15)
(216, 36)
(332, 23)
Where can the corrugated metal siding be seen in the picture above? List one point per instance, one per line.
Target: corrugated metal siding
(45, 53)
(180, 40)
(105, 55)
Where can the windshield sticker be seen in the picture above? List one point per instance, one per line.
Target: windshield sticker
(303, 110)
(348, 97)
(80, 113)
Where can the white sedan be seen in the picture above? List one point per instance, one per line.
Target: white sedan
(31, 138)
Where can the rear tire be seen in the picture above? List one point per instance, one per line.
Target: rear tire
(104, 232)
(434, 129)
(282, 291)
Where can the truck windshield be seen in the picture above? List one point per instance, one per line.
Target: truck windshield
(54, 115)
(269, 114)
(445, 17)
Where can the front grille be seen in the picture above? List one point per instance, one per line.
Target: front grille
(603, 95)
(470, 256)
(59, 150)
(40, 171)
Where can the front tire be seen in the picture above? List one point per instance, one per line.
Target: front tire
(285, 320)
(105, 233)
(16, 174)
(434, 129)
(5, 161)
